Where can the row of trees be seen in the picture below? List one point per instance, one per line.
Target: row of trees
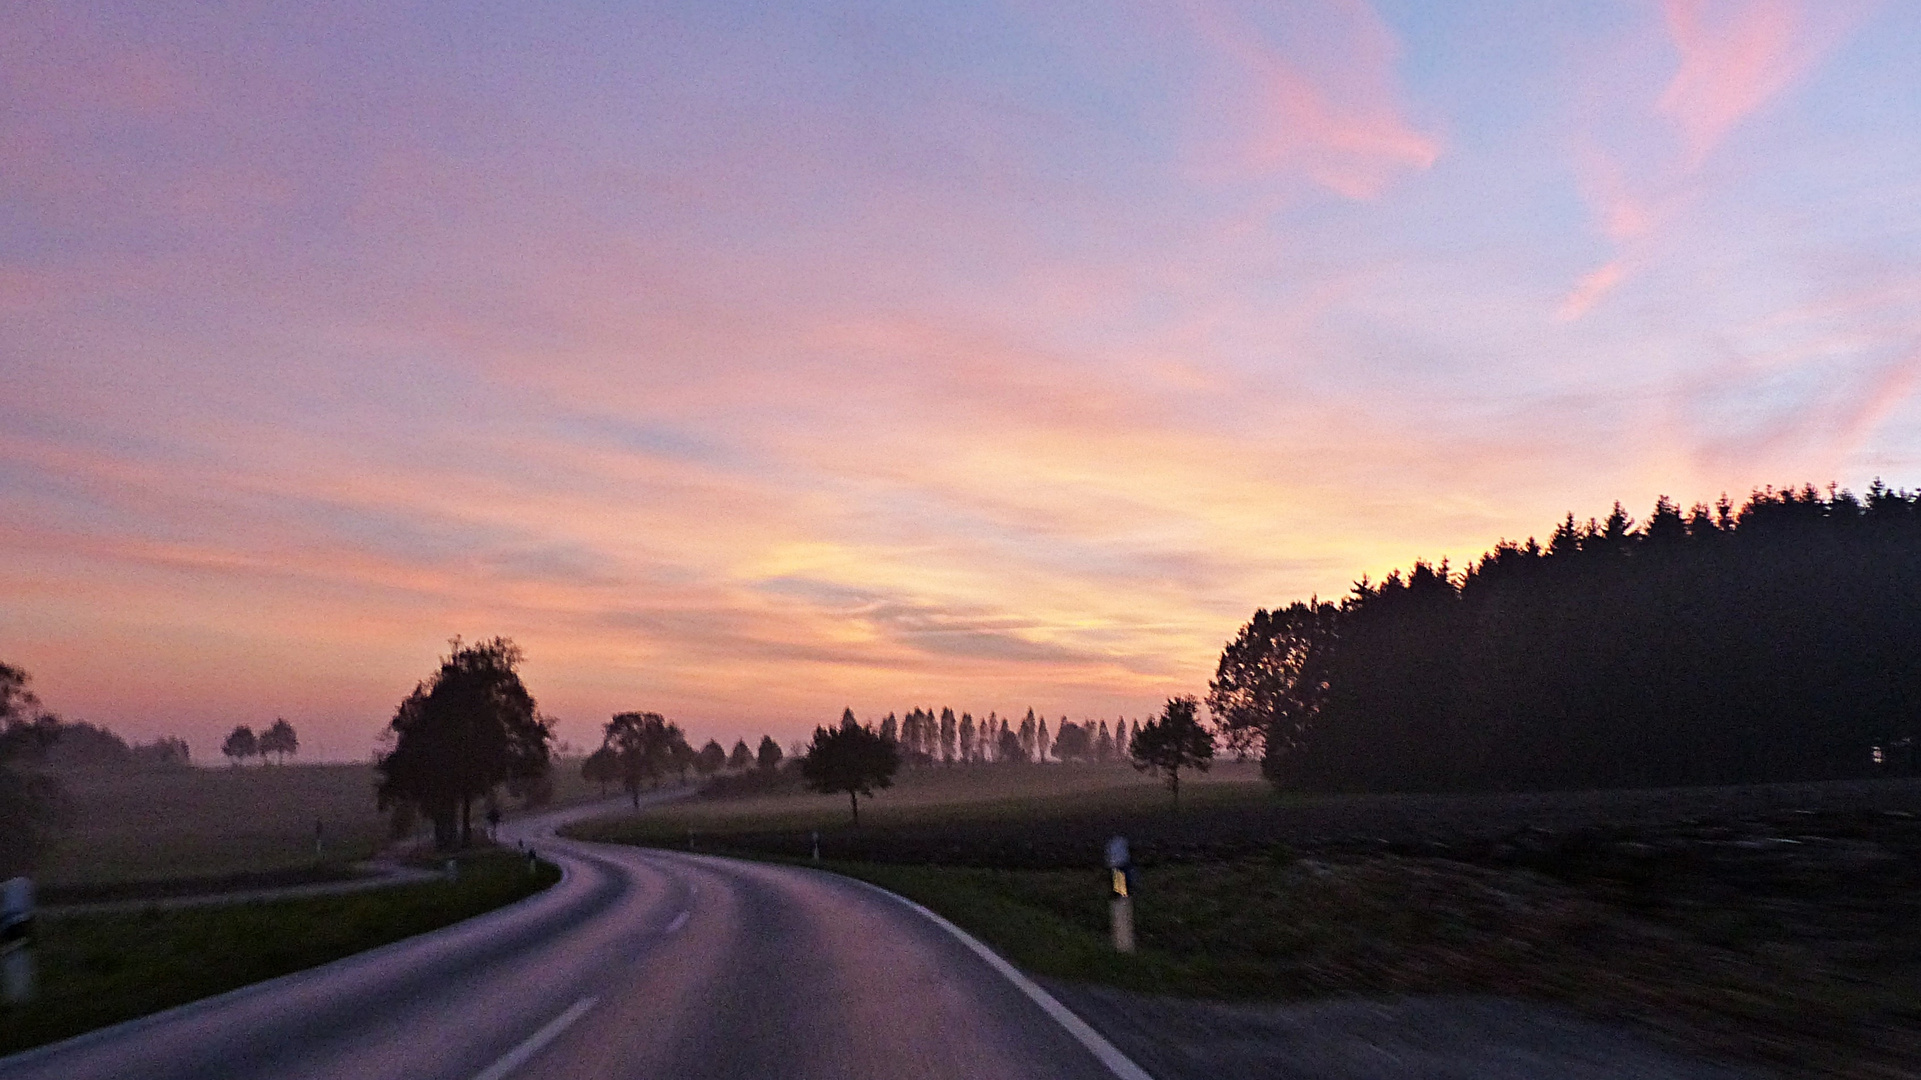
(856, 760)
(927, 738)
(1777, 640)
(279, 740)
(642, 747)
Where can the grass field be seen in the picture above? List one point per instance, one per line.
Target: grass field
(1780, 925)
(939, 795)
(169, 824)
(101, 969)
(155, 824)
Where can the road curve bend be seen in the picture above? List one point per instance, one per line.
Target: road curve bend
(639, 963)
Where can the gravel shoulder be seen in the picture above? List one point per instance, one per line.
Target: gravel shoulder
(1409, 1038)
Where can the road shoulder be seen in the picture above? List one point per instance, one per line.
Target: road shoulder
(1489, 1038)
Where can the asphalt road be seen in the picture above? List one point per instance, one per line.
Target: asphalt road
(638, 964)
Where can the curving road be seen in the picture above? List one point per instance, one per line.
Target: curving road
(638, 964)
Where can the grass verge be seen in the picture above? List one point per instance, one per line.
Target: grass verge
(96, 970)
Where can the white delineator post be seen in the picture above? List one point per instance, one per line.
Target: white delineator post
(16, 941)
(1121, 903)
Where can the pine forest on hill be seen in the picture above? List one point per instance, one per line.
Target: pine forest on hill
(1778, 640)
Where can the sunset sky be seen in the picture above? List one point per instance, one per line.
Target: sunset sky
(743, 362)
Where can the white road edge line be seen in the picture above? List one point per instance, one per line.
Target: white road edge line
(680, 920)
(518, 1056)
(1117, 1063)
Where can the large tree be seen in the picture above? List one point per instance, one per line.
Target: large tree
(849, 758)
(645, 746)
(1272, 679)
(741, 757)
(601, 767)
(278, 740)
(470, 727)
(29, 798)
(240, 744)
(1074, 742)
(1173, 741)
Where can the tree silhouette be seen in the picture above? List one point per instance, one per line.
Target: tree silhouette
(741, 758)
(1173, 741)
(469, 728)
(1008, 749)
(240, 744)
(712, 758)
(1775, 640)
(1273, 678)
(681, 757)
(601, 767)
(643, 746)
(849, 758)
(768, 758)
(279, 740)
(30, 800)
(1074, 742)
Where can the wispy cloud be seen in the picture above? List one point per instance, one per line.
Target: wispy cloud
(1321, 96)
(1735, 57)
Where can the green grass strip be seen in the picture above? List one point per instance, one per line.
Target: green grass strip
(96, 970)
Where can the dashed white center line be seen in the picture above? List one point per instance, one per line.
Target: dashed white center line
(680, 920)
(518, 1056)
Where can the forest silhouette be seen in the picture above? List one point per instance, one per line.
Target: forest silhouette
(1776, 641)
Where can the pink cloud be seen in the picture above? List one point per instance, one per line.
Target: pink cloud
(1738, 56)
(1341, 124)
(1590, 289)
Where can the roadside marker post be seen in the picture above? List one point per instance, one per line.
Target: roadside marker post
(817, 846)
(16, 941)
(1120, 904)
(453, 870)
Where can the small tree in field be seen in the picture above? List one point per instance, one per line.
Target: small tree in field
(681, 756)
(278, 740)
(770, 755)
(849, 758)
(741, 758)
(240, 744)
(601, 767)
(712, 759)
(643, 745)
(1173, 741)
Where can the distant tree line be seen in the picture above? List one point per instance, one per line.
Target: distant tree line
(640, 748)
(926, 738)
(857, 759)
(1778, 640)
